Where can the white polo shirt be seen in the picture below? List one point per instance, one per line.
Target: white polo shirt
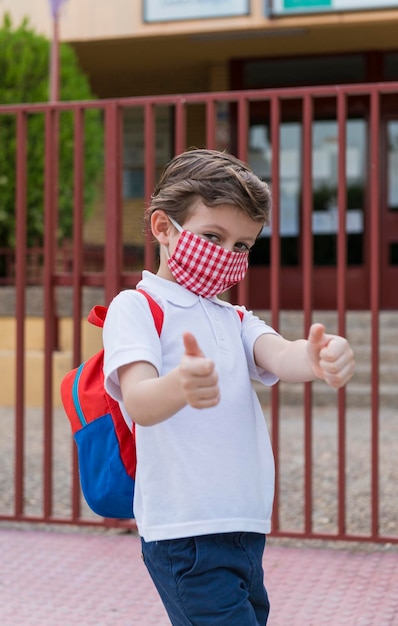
(201, 471)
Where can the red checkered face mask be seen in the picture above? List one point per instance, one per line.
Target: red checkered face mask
(204, 267)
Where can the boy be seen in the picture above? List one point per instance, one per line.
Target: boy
(205, 474)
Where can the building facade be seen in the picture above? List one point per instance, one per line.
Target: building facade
(152, 47)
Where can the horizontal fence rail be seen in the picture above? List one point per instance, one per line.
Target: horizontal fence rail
(335, 476)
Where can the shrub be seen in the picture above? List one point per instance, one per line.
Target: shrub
(24, 78)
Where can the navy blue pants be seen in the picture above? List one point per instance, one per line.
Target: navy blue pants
(210, 580)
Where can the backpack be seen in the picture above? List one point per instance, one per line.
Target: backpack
(105, 444)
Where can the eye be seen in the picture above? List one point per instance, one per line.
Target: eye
(212, 237)
(240, 246)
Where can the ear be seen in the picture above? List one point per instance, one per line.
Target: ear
(160, 226)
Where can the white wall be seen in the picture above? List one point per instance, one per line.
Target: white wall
(102, 19)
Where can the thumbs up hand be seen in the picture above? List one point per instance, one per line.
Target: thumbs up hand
(198, 377)
(330, 356)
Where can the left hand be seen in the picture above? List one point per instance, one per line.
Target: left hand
(331, 357)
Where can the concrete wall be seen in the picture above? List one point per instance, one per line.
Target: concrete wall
(34, 357)
(123, 56)
(34, 328)
(101, 19)
(85, 20)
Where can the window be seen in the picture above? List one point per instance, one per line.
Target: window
(324, 186)
(133, 147)
(302, 71)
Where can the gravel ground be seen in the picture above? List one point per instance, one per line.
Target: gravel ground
(291, 469)
(325, 471)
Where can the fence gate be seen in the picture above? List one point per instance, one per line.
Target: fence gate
(335, 451)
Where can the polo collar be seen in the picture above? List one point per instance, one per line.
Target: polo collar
(173, 292)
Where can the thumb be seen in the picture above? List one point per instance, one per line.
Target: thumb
(317, 339)
(191, 345)
(316, 335)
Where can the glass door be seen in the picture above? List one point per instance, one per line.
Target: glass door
(325, 213)
(389, 221)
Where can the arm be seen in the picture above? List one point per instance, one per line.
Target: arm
(150, 399)
(323, 356)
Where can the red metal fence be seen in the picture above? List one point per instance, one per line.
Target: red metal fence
(54, 495)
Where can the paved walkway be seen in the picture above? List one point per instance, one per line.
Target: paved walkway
(68, 578)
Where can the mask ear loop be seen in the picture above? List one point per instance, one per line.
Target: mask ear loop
(180, 230)
(175, 224)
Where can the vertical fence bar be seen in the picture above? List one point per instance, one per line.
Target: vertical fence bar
(307, 252)
(243, 130)
(114, 256)
(149, 177)
(20, 253)
(180, 133)
(375, 297)
(243, 135)
(341, 301)
(50, 219)
(113, 248)
(77, 256)
(275, 289)
(211, 125)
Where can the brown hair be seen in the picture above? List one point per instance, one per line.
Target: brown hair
(215, 177)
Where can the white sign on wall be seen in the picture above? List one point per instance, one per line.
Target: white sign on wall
(170, 10)
(284, 7)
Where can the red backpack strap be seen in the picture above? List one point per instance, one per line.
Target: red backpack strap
(157, 312)
(98, 313)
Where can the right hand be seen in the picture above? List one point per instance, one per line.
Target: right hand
(198, 376)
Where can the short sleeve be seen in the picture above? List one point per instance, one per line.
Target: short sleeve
(252, 328)
(129, 336)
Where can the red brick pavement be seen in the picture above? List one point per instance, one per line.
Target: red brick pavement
(61, 578)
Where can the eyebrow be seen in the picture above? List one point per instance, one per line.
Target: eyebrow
(224, 231)
(215, 226)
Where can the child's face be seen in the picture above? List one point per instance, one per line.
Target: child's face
(224, 225)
